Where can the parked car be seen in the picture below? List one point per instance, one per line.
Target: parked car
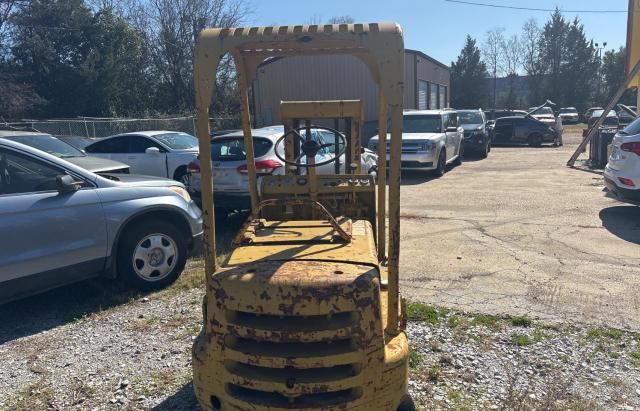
(625, 118)
(54, 146)
(231, 183)
(494, 114)
(543, 114)
(154, 153)
(61, 223)
(587, 113)
(610, 121)
(622, 173)
(431, 139)
(522, 130)
(79, 142)
(569, 115)
(476, 137)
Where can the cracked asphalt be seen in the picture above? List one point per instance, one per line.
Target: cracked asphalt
(521, 233)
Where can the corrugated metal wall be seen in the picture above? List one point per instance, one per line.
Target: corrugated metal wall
(330, 77)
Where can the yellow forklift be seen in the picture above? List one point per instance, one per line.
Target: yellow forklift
(306, 313)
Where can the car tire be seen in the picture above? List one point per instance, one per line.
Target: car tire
(151, 255)
(459, 159)
(535, 140)
(485, 151)
(442, 164)
(181, 175)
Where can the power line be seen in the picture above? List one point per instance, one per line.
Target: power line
(500, 6)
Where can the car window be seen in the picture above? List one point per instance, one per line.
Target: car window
(452, 120)
(470, 117)
(428, 123)
(139, 144)
(232, 148)
(328, 137)
(23, 174)
(48, 144)
(633, 128)
(177, 141)
(111, 145)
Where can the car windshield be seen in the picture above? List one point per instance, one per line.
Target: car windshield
(178, 141)
(422, 124)
(469, 117)
(48, 144)
(232, 148)
(568, 111)
(598, 113)
(543, 110)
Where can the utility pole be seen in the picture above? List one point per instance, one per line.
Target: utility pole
(599, 86)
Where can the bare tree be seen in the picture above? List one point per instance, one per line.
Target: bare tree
(531, 58)
(492, 50)
(171, 28)
(341, 20)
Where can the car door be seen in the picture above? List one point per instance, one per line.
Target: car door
(451, 120)
(153, 163)
(114, 148)
(48, 238)
(503, 130)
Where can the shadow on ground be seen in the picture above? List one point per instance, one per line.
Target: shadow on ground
(45, 311)
(184, 399)
(623, 222)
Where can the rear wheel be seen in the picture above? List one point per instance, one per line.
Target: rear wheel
(535, 140)
(458, 160)
(151, 255)
(442, 164)
(484, 152)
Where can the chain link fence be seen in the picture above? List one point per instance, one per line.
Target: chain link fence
(104, 127)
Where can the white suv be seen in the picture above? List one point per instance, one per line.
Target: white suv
(622, 174)
(431, 139)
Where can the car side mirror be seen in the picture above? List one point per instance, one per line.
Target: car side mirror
(66, 184)
(153, 150)
(452, 129)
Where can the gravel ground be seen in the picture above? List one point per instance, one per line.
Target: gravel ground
(134, 353)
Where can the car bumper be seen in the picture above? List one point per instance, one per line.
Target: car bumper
(622, 193)
(227, 200)
(416, 161)
(475, 143)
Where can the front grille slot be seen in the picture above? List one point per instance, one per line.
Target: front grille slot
(277, 400)
(293, 324)
(301, 376)
(290, 349)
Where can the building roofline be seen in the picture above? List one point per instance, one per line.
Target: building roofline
(410, 51)
(426, 57)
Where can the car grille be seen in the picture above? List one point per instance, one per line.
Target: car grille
(409, 148)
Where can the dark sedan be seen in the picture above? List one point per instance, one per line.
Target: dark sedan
(522, 130)
(476, 137)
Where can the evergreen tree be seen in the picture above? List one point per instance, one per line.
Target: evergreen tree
(579, 68)
(468, 78)
(552, 48)
(613, 72)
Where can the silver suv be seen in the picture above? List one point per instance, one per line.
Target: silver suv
(431, 139)
(60, 223)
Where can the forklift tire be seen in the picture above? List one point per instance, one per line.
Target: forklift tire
(407, 404)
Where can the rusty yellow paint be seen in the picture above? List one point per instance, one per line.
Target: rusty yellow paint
(302, 315)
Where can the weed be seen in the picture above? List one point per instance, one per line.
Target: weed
(423, 312)
(454, 321)
(415, 358)
(610, 333)
(635, 358)
(538, 335)
(520, 340)
(521, 321)
(35, 396)
(484, 320)
(434, 373)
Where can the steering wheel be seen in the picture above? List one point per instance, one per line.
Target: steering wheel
(310, 147)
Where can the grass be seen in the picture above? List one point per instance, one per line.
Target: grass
(423, 312)
(415, 358)
(521, 321)
(538, 335)
(520, 340)
(81, 391)
(484, 320)
(599, 333)
(433, 374)
(634, 358)
(35, 396)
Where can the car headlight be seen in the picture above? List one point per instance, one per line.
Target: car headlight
(181, 192)
(428, 146)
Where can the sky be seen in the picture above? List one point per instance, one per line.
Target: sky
(439, 28)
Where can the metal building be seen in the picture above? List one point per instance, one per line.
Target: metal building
(330, 77)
